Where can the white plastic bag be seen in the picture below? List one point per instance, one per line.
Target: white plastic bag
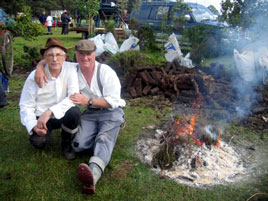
(110, 44)
(245, 65)
(173, 48)
(130, 44)
(99, 44)
(262, 64)
(186, 61)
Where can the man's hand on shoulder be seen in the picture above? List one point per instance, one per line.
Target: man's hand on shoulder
(40, 74)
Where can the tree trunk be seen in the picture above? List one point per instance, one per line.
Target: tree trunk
(91, 26)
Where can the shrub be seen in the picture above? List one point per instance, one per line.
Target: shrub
(30, 57)
(24, 27)
(147, 38)
(205, 42)
(126, 62)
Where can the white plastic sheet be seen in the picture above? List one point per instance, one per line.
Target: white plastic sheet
(186, 61)
(110, 44)
(99, 44)
(245, 65)
(262, 64)
(173, 48)
(130, 44)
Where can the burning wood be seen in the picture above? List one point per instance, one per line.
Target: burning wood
(192, 153)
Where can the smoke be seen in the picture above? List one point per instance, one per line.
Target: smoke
(249, 47)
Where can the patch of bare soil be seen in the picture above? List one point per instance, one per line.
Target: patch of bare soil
(122, 170)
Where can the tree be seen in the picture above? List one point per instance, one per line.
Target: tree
(14, 6)
(88, 9)
(24, 27)
(248, 14)
(233, 12)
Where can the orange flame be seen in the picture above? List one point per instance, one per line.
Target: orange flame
(219, 139)
(186, 128)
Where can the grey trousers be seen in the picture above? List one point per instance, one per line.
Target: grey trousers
(98, 130)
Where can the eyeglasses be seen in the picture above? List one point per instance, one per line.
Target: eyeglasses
(51, 56)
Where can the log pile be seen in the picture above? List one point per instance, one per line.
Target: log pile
(212, 85)
(180, 84)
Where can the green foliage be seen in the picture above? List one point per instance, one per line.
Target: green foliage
(109, 25)
(24, 27)
(245, 13)
(31, 55)
(88, 8)
(232, 12)
(178, 13)
(125, 62)
(205, 42)
(134, 24)
(165, 27)
(147, 38)
(197, 34)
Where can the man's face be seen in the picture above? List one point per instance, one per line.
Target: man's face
(54, 58)
(85, 58)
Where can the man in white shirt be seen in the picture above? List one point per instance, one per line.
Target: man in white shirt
(100, 92)
(47, 108)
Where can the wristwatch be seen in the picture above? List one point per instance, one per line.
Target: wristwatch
(90, 102)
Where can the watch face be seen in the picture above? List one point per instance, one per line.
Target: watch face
(90, 102)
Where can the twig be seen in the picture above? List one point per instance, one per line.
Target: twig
(19, 51)
(230, 140)
(257, 194)
(249, 156)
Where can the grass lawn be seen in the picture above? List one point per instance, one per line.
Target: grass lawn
(30, 174)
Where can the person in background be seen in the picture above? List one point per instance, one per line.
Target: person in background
(49, 22)
(3, 101)
(48, 108)
(65, 19)
(100, 94)
(42, 18)
(125, 16)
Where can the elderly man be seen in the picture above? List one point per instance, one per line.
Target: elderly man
(48, 108)
(100, 92)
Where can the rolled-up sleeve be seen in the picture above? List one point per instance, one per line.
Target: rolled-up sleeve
(112, 88)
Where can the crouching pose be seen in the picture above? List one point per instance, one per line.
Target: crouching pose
(47, 108)
(100, 92)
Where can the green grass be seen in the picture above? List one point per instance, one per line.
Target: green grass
(30, 174)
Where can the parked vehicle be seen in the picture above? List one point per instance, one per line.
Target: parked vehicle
(152, 14)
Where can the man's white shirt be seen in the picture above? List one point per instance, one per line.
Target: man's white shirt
(110, 82)
(54, 95)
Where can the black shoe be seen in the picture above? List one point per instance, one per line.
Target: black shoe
(68, 152)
